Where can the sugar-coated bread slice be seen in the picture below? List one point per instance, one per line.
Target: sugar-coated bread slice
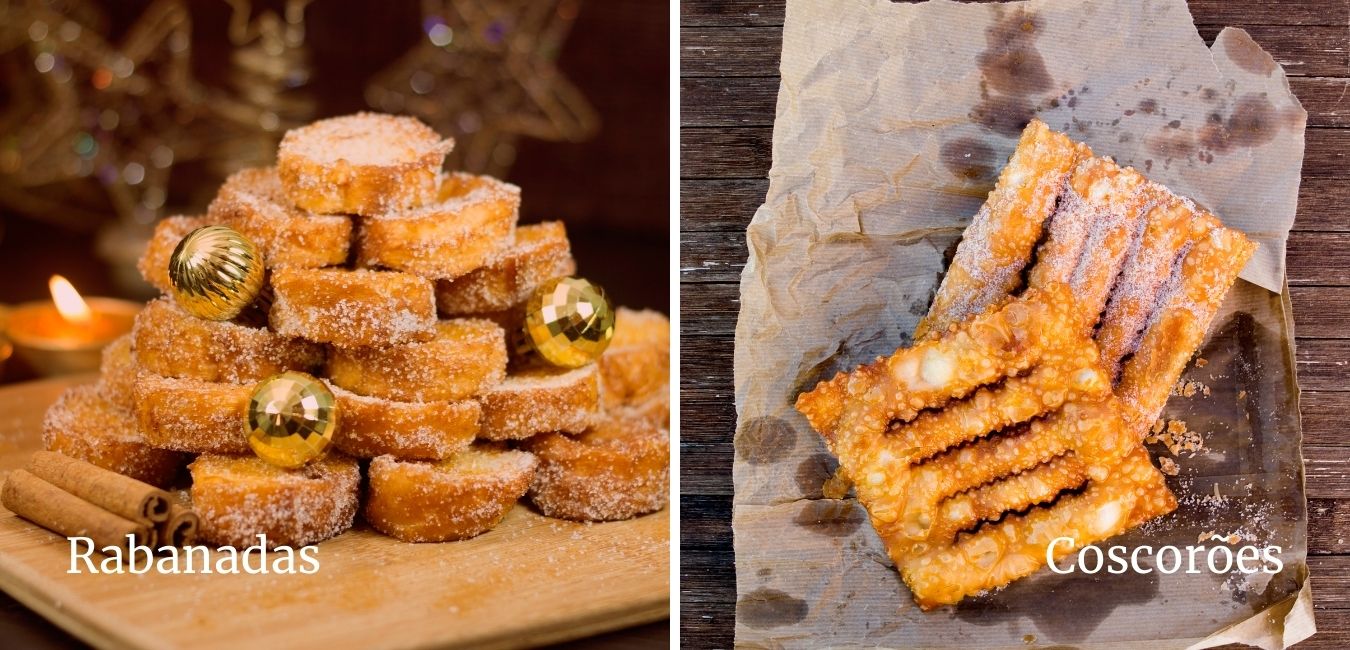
(253, 202)
(635, 368)
(373, 426)
(192, 415)
(540, 253)
(84, 424)
(117, 373)
(357, 308)
(539, 400)
(366, 163)
(154, 262)
(470, 221)
(457, 498)
(467, 356)
(618, 469)
(173, 343)
(240, 497)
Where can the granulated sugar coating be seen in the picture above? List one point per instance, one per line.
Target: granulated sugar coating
(541, 253)
(351, 309)
(191, 415)
(540, 400)
(636, 366)
(364, 163)
(467, 356)
(154, 262)
(253, 202)
(472, 219)
(457, 498)
(171, 342)
(238, 497)
(117, 373)
(618, 469)
(373, 426)
(83, 424)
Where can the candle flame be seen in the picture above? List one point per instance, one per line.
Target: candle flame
(68, 301)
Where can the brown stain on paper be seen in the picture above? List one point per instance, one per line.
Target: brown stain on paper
(1253, 122)
(765, 608)
(765, 440)
(1248, 55)
(831, 518)
(1012, 72)
(969, 158)
(812, 473)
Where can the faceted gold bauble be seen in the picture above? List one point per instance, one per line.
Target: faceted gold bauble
(569, 322)
(291, 420)
(216, 272)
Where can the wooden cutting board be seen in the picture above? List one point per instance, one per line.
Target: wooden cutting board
(531, 580)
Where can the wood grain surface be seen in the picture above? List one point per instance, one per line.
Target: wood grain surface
(729, 65)
(531, 580)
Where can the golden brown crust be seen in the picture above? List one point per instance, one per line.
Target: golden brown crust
(253, 202)
(364, 164)
(154, 262)
(84, 424)
(539, 400)
(372, 426)
(352, 308)
(192, 415)
(635, 368)
(467, 356)
(463, 496)
(471, 220)
(173, 343)
(117, 373)
(618, 469)
(239, 497)
(540, 253)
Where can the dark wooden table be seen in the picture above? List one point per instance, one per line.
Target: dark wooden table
(728, 86)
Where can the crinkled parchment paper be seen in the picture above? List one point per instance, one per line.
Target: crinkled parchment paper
(893, 120)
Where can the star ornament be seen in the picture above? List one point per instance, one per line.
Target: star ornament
(118, 113)
(486, 72)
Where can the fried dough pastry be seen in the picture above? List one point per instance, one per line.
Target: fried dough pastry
(635, 368)
(117, 373)
(253, 202)
(471, 220)
(540, 400)
(1001, 414)
(173, 343)
(192, 415)
(366, 163)
(617, 469)
(85, 424)
(1000, 239)
(154, 261)
(352, 309)
(457, 498)
(239, 497)
(540, 253)
(373, 426)
(467, 356)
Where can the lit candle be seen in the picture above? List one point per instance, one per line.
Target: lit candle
(66, 334)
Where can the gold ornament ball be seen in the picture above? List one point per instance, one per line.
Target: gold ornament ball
(569, 321)
(291, 420)
(216, 272)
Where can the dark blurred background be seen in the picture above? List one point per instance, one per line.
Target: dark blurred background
(116, 114)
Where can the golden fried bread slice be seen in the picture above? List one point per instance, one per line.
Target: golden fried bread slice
(154, 262)
(192, 415)
(636, 366)
(366, 163)
(240, 497)
(357, 308)
(457, 498)
(253, 202)
(467, 356)
(117, 373)
(374, 426)
(617, 469)
(540, 253)
(539, 400)
(173, 343)
(471, 220)
(84, 424)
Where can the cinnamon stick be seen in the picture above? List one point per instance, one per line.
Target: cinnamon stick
(180, 529)
(123, 496)
(55, 509)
